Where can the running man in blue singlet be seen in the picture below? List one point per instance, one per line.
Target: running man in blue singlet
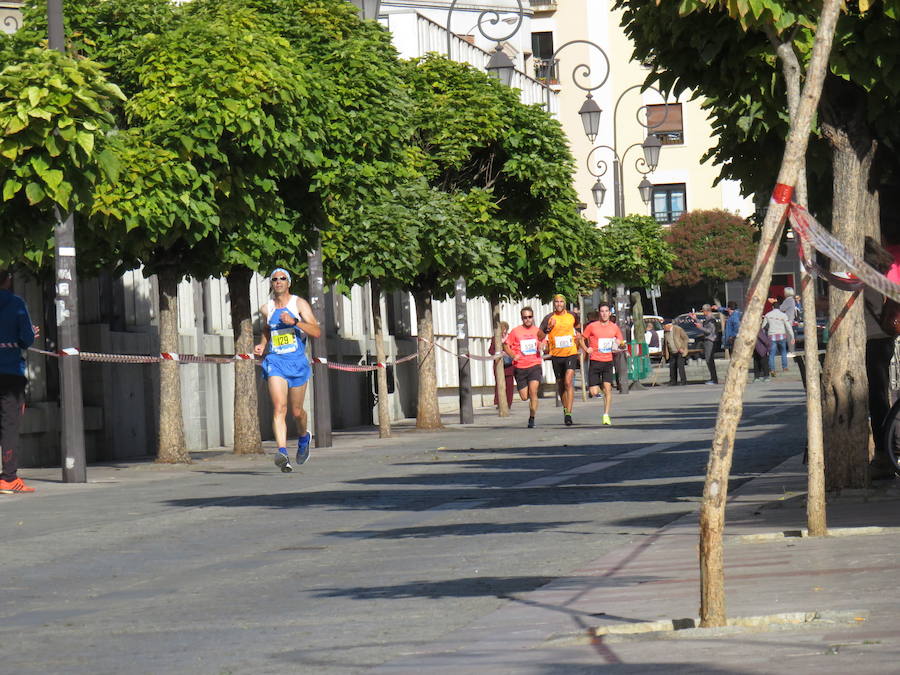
(289, 323)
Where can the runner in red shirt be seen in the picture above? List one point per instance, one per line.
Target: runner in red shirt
(601, 339)
(524, 347)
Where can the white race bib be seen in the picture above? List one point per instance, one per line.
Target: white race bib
(528, 347)
(606, 345)
(562, 341)
(284, 341)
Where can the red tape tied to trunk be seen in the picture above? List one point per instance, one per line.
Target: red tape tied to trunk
(782, 193)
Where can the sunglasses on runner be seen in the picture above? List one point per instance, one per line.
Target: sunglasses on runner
(527, 316)
(279, 278)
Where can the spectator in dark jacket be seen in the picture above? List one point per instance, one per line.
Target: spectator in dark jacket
(707, 323)
(16, 334)
(761, 356)
(879, 352)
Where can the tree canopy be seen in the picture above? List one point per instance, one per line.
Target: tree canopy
(633, 251)
(55, 115)
(712, 244)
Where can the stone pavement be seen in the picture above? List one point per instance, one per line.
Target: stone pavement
(823, 605)
(807, 604)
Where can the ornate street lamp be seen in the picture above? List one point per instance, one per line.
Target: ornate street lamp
(651, 147)
(645, 187)
(368, 9)
(599, 192)
(590, 117)
(501, 66)
(498, 66)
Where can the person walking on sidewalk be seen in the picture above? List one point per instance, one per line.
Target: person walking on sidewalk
(562, 328)
(707, 323)
(778, 327)
(289, 323)
(761, 356)
(601, 339)
(16, 333)
(523, 346)
(732, 325)
(675, 349)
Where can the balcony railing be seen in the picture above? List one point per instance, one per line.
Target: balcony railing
(667, 217)
(432, 37)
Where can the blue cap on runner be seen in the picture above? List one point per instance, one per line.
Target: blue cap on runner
(281, 269)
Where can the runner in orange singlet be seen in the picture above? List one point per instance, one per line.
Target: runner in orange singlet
(562, 329)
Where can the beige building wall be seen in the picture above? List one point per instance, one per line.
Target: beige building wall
(622, 103)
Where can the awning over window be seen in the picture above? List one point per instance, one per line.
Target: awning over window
(660, 122)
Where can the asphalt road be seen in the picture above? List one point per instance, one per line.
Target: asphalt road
(370, 553)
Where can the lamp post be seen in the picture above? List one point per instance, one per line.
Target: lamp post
(644, 164)
(74, 468)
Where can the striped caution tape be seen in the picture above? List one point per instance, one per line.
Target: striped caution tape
(474, 357)
(824, 242)
(194, 358)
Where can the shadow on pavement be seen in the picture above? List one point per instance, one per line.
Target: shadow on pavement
(501, 587)
(459, 530)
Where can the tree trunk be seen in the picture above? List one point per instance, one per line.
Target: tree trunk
(816, 522)
(428, 413)
(715, 489)
(247, 438)
(847, 435)
(384, 411)
(171, 447)
(499, 374)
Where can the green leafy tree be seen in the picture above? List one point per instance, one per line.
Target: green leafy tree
(633, 251)
(713, 246)
(510, 171)
(229, 99)
(363, 131)
(55, 115)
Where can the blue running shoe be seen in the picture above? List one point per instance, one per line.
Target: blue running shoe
(303, 448)
(282, 461)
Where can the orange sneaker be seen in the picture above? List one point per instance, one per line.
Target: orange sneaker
(10, 487)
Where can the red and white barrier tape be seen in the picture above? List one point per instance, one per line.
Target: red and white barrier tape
(193, 358)
(824, 242)
(474, 357)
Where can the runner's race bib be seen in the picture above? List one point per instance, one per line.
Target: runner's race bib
(606, 345)
(562, 341)
(528, 347)
(284, 341)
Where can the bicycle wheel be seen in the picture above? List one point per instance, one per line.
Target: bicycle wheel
(891, 431)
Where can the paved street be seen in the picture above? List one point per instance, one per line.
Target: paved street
(373, 553)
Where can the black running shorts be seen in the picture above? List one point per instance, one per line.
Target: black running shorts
(525, 375)
(563, 363)
(599, 372)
